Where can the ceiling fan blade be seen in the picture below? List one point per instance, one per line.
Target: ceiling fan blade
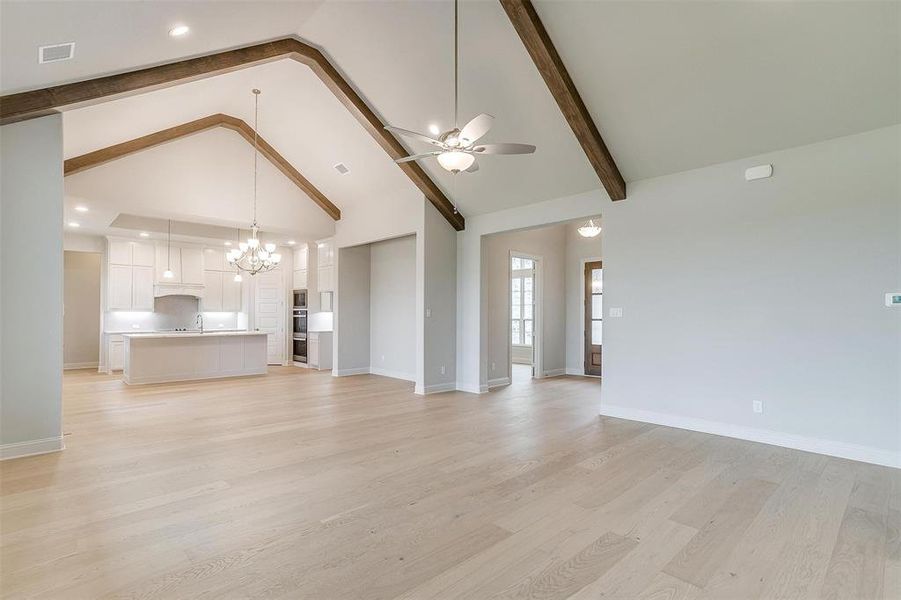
(504, 149)
(416, 157)
(476, 128)
(419, 136)
(474, 167)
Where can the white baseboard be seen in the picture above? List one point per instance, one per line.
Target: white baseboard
(554, 372)
(392, 374)
(857, 452)
(435, 388)
(81, 365)
(493, 383)
(31, 448)
(472, 388)
(349, 372)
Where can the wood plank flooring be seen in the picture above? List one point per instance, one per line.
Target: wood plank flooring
(301, 485)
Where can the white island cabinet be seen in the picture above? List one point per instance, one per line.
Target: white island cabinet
(161, 357)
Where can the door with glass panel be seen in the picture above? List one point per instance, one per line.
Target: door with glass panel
(522, 310)
(594, 311)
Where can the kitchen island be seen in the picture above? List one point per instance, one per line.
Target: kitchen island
(185, 356)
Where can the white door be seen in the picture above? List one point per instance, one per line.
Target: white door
(269, 313)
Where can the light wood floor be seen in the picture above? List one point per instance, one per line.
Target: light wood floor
(300, 485)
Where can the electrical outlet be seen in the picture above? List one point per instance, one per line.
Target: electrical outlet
(493, 366)
(428, 313)
(616, 313)
(757, 406)
(443, 370)
(383, 358)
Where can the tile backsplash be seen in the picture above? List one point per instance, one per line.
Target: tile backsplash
(171, 312)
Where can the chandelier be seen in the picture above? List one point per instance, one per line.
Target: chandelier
(589, 230)
(252, 256)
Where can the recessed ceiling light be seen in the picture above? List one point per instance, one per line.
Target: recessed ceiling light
(291, 242)
(434, 129)
(228, 243)
(179, 30)
(73, 224)
(80, 208)
(144, 234)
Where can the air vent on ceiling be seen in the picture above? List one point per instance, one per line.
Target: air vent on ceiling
(56, 52)
(342, 168)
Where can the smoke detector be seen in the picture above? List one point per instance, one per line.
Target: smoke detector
(56, 52)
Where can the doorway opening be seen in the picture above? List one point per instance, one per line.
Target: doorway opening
(523, 301)
(594, 312)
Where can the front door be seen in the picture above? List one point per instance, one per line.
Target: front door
(594, 311)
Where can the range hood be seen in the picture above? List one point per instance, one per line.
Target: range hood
(177, 289)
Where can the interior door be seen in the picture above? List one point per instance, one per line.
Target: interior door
(269, 313)
(594, 312)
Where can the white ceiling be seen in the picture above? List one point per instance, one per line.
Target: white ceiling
(672, 85)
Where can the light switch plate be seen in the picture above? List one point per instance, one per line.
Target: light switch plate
(615, 313)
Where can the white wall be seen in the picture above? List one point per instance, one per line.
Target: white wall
(81, 315)
(392, 308)
(579, 250)
(771, 290)
(549, 243)
(437, 269)
(31, 290)
(76, 242)
(351, 314)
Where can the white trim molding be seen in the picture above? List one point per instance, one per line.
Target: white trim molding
(436, 388)
(500, 381)
(472, 388)
(867, 454)
(80, 365)
(31, 448)
(555, 372)
(350, 372)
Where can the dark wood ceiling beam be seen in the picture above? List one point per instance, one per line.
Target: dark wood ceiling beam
(540, 47)
(116, 151)
(36, 103)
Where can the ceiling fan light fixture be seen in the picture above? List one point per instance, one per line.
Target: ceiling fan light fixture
(589, 230)
(455, 161)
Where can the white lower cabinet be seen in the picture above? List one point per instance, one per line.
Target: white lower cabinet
(319, 350)
(115, 355)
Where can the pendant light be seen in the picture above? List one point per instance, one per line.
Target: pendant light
(251, 256)
(589, 230)
(168, 274)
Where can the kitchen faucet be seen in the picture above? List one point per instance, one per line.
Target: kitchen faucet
(199, 321)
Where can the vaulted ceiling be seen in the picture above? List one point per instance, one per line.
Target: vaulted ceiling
(671, 85)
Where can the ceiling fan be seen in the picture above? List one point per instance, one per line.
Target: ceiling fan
(456, 148)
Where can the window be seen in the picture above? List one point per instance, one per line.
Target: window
(522, 300)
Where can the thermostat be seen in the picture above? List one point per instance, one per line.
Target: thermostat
(893, 299)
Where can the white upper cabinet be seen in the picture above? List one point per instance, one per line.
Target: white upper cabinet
(300, 280)
(325, 252)
(212, 290)
(142, 288)
(301, 258)
(231, 293)
(213, 259)
(192, 265)
(119, 252)
(119, 287)
(326, 279)
(142, 254)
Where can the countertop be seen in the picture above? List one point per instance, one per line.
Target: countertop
(192, 334)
